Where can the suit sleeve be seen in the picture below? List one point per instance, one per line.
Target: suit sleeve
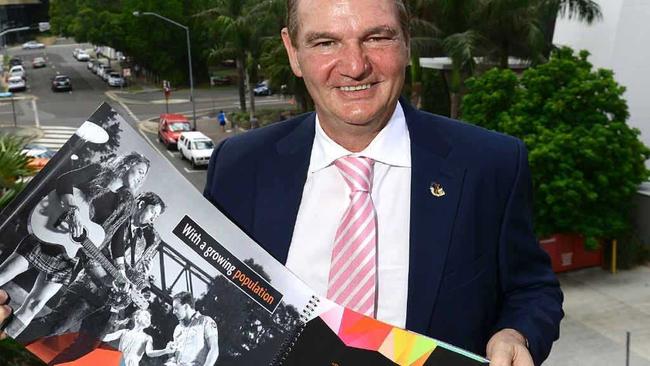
(210, 184)
(532, 299)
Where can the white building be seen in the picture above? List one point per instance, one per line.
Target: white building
(621, 42)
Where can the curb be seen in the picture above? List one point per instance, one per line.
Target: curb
(31, 133)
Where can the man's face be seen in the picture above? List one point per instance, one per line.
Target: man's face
(148, 214)
(352, 56)
(181, 311)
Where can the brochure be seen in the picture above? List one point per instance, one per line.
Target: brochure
(111, 257)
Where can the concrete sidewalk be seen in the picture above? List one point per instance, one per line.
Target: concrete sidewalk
(600, 308)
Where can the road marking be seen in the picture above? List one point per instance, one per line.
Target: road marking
(61, 128)
(54, 140)
(58, 134)
(37, 121)
(171, 154)
(192, 170)
(54, 136)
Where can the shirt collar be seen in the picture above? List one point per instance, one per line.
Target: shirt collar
(391, 146)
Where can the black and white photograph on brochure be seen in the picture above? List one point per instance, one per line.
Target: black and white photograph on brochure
(109, 248)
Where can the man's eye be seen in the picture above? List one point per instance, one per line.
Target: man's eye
(378, 39)
(325, 44)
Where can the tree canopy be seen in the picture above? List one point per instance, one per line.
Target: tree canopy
(586, 162)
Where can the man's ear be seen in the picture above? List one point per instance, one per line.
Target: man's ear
(291, 52)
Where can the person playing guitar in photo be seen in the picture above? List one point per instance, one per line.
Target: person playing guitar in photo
(91, 299)
(87, 207)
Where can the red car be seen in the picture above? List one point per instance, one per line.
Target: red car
(170, 128)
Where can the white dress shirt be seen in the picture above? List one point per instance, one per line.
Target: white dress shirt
(326, 197)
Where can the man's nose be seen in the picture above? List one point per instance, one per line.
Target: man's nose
(354, 62)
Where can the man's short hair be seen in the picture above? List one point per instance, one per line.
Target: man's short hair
(152, 199)
(184, 297)
(292, 20)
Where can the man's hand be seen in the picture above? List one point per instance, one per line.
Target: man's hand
(507, 347)
(74, 222)
(5, 310)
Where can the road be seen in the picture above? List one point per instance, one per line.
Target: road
(57, 115)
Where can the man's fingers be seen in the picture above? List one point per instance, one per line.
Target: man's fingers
(5, 313)
(4, 297)
(522, 357)
(511, 356)
(501, 358)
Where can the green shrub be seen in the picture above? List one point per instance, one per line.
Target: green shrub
(586, 162)
(435, 97)
(264, 117)
(14, 354)
(13, 167)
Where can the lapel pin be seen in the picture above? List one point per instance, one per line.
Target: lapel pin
(437, 190)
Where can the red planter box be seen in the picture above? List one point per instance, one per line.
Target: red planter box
(567, 252)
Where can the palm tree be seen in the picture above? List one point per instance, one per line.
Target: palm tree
(516, 27)
(13, 166)
(496, 29)
(424, 40)
(274, 59)
(234, 35)
(444, 27)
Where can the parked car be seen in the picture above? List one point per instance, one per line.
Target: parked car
(38, 62)
(262, 88)
(170, 128)
(195, 147)
(96, 67)
(101, 69)
(83, 56)
(15, 61)
(16, 83)
(17, 70)
(91, 63)
(32, 45)
(115, 79)
(61, 82)
(220, 80)
(75, 52)
(39, 155)
(106, 72)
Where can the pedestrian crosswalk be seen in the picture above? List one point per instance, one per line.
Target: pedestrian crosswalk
(54, 136)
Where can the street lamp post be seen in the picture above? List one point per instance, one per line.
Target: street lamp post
(189, 56)
(12, 30)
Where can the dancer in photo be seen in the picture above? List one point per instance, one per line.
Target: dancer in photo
(89, 203)
(135, 342)
(196, 339)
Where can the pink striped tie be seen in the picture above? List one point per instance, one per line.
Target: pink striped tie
(352, 277)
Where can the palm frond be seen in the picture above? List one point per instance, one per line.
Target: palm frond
(583, 10)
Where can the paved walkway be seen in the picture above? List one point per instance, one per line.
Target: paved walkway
(600, 308)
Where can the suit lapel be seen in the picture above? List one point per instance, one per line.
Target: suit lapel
(432, 218)
(280, 183)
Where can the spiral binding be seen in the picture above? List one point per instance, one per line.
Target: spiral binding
(288, 344)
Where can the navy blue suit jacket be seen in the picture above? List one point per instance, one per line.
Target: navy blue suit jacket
(475, 266)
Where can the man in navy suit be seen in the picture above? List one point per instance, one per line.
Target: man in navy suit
(454, 252)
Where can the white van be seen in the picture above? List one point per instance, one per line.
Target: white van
(195, 147)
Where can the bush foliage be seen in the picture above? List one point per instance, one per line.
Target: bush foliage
(586, 161)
